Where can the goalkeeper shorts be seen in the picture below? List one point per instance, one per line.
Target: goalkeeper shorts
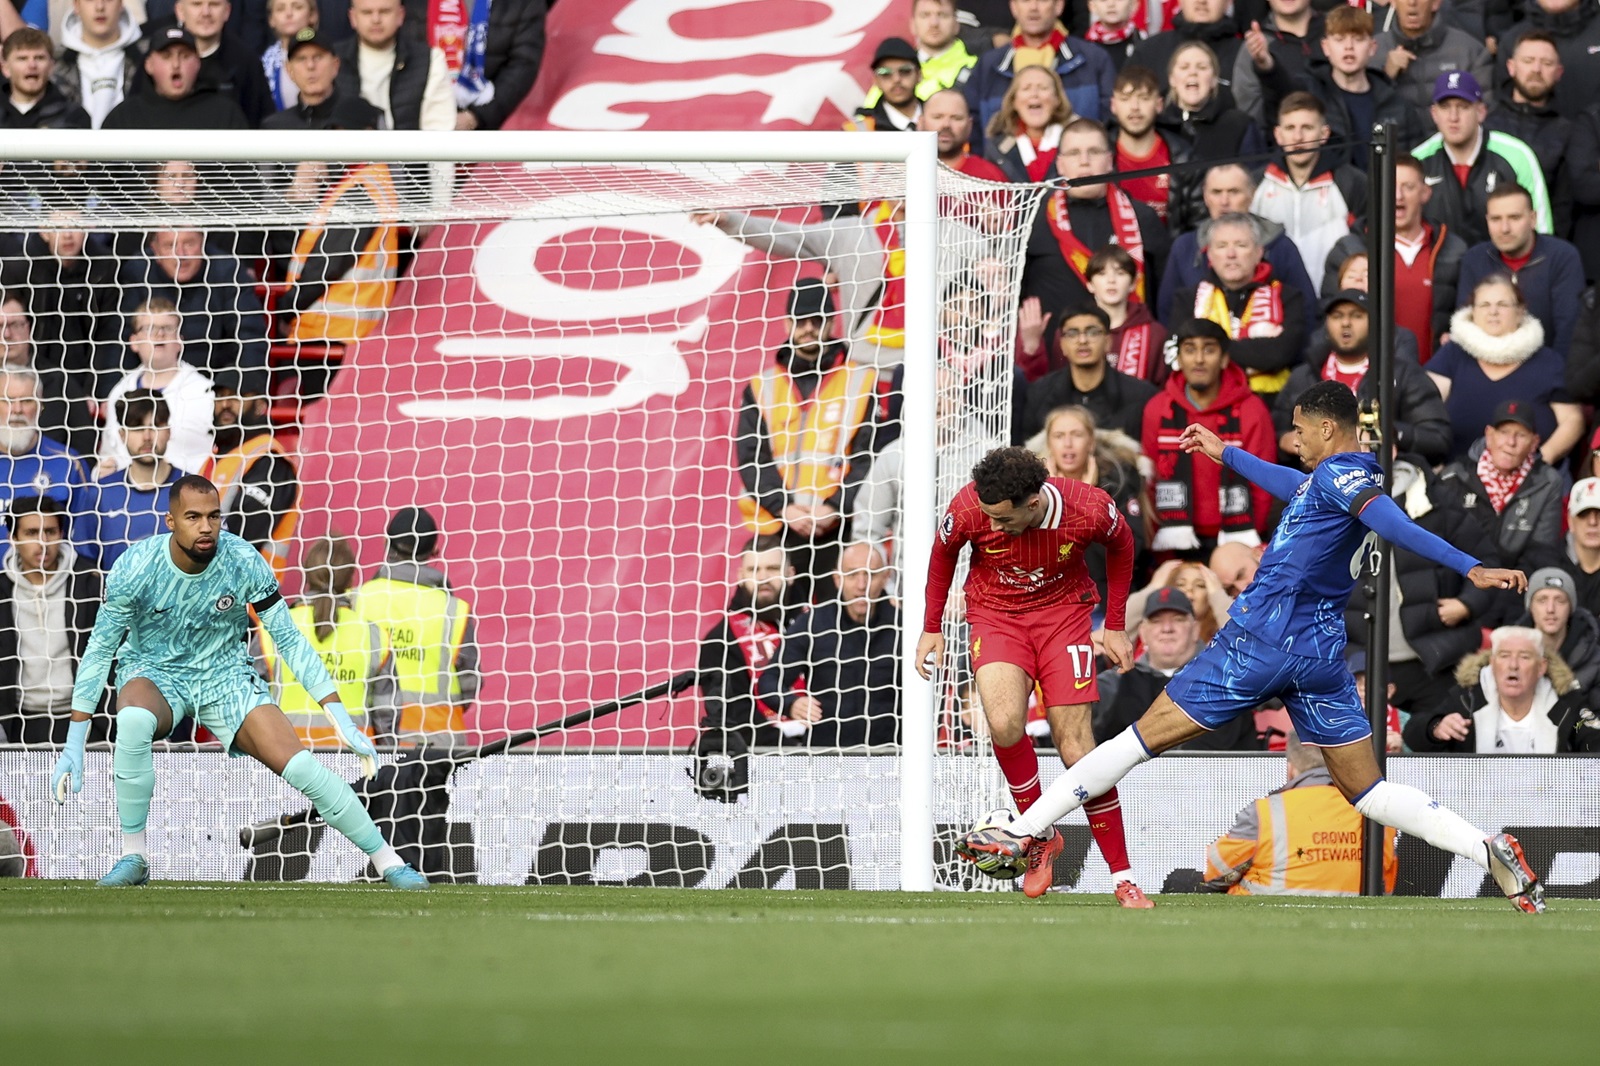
(219, 704)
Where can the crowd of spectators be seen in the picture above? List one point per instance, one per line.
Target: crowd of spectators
(1216, 294)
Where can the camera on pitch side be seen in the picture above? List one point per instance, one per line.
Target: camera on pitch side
(721, 766)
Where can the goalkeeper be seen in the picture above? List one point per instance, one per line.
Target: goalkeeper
(181, 600)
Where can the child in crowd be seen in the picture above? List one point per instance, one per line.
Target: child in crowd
(286, 18)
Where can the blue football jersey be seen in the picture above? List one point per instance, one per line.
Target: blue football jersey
(1296, 601)
(117, 515)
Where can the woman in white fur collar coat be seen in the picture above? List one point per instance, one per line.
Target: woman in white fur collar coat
(1496, 353)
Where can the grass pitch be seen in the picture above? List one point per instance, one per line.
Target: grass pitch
(223, 974)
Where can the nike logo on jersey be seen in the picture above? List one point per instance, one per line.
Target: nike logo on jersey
(161, 610)
(996, 551)
(1081, 685)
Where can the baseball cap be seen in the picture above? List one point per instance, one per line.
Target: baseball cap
(415, 526)
(165, 37)
(895, 48)
(1549, 577)
(1167, 599)
(1345, 296)
(1585, 496)
(810, 299)
(1356, 659)
(1518, 411)
(1458, 84)
(308, 37)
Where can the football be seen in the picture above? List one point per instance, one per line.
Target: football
(993, 865)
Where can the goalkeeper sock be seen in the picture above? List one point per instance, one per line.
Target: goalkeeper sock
(1020, 765)
(1105, 824)
(336, 801)
(1415, 813)
(1093, 775)
(133, 774)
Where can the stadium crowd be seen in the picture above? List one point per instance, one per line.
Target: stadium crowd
(1216, 294)
(1212, 294)
(132, 358)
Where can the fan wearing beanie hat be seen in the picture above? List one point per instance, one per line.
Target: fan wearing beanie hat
(1568, 629)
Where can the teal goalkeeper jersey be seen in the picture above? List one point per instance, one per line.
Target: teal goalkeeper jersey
(191, 626)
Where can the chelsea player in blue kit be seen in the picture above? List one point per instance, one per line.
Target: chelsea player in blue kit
(176, 621)
(1285, 639)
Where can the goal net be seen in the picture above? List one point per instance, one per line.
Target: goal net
(556, 414)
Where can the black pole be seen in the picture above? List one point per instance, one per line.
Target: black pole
(1380, 274)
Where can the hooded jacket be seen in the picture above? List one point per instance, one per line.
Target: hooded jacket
(1435, 505)
(1331, 203)
(52, 111)
(1258, 94)
(96, 79)
(1255, 436)
(1562, 723)
(1547, 131)
(1581, 648)
(1421, 423)
(77, 584)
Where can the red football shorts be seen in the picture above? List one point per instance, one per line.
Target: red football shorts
(1052, 647)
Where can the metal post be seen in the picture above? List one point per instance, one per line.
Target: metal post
(1380, 348)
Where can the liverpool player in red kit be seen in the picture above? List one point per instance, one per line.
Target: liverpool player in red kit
(1029, 601)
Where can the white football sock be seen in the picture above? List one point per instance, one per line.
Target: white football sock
(1412, 811)
(1089, 777)
(386, 858)
(133, 844)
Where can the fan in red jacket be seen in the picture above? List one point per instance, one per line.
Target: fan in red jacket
(1201, 505)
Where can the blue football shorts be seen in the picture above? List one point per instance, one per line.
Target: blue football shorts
(1237, 672)
(218, 703)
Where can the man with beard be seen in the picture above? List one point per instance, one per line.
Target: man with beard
(254, 476)
(946, 113)
(744, 641)
(1421, 425)
(1074, 223)
(128, 505)
(1528, 113)
(66, 408)
(175, 607)
(33, 464)
(896, 72)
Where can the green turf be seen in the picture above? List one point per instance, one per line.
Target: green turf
(321, 974)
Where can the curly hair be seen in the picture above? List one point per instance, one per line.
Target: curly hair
(1008, 474)
(1330, 399)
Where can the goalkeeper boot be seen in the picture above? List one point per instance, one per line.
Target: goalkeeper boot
(1041, 873)
(1131, 896)
(130, 871)
(1512, 873)
(403, 876)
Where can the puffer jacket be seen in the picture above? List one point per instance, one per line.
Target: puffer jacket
(1557, 696)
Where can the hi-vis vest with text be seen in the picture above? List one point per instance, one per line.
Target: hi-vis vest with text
(353, 655)
(426, 627)
(225, 471)
(1308, 844)
(355, 303)
(810, 438)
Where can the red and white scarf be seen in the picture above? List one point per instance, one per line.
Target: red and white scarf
(1501, 487)
(1262, 315)
(1100, 33)
(1135, 355)
(1124, 233)
(1351, 379)
(758, 640)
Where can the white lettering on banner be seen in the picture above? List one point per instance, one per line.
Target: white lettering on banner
(648, 37)
(796, 95)
(655, 368)
(538, 815)
(504, 269)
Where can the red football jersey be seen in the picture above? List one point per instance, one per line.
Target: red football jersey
(1037, 569)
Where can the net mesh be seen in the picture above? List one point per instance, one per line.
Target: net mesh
(569, 368)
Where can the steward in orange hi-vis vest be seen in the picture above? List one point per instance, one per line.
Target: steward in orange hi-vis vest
(255, 478)
(342, 278)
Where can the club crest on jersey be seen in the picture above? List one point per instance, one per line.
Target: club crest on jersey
(947, 527)
(225, 601)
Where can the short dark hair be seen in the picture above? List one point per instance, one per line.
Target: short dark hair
(1330, 399)
(1302, 101)
(1509, 188)
(42, 505)
(1008, 475)
(142, 407)
(1409, 161)
(1108, 256)
(1202, 329)
(1537, 36)
(762, 542)
(1084, 124)
(189, 483)
(27, 37)
(1135, 78)
(1079, 310)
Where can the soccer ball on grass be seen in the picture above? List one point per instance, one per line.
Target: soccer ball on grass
(994, 865)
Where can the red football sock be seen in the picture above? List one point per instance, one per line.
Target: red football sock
(1020, 765)
(1105, 822)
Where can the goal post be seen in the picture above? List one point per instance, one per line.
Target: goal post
(553, 375)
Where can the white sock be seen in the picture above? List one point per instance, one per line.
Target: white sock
(133, 844)
(1119, 876)
(1091, 776)
(385, 859)
(1412, 811)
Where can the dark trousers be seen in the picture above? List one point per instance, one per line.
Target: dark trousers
(35, 730)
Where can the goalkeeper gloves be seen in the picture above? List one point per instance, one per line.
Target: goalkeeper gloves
(353, 738)
(69, 768)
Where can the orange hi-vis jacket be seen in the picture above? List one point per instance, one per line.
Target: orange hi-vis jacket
(226, 471)
(1303, 839)
(354, 303)
(810, 437)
